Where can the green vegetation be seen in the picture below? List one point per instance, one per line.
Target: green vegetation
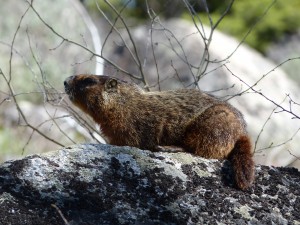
(268, 20)
(9, 147)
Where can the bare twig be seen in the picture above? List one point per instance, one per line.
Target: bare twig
(205, 58)
(73, 42)
(272, 145)
(297, 157)
(265, 123)
(61, 214)
(175, 44)
(12, 46)
(248, 32)
(223, 15)
(94, 34)
(134, 55)
(13, 97)
(251, 87)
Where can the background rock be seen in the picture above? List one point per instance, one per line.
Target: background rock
(103, 184)
(287, 48)
(178, 48)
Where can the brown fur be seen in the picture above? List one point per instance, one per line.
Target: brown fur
(187, 119)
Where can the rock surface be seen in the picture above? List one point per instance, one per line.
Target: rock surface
(288, 47)
(103, 184)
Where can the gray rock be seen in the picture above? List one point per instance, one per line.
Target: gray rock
(177, 45)
(288, 47)
(104, 184)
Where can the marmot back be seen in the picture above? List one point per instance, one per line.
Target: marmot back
(183, 119)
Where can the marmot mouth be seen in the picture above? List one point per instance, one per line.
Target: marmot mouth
(69, 92)
(68, 89)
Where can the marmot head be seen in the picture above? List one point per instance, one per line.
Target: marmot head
(89, 92)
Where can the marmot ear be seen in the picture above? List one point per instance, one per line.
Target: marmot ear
(111, 84)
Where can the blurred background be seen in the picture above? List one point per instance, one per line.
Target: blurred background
(246, 52)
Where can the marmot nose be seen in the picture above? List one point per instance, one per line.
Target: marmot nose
(66, 82)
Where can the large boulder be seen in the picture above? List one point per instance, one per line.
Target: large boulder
(172, 50)
(103, 184)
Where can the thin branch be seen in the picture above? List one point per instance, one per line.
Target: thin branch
(61, 214)
(45, 93)
(206, 56)
(280, 144)
(73, 42)
(263, 95)
(12, 95)
(297, 157)
(5, 100)
(223, 15)
(80, 120)
(12, 45)
(265, 123)
(19, 54)
(248, 32)
(113, 27)
(27, 142)
(206, 41)
(152, 15)
(170, 36)
(53, 119)
(139, 64)
(94, 34)
(264, 75)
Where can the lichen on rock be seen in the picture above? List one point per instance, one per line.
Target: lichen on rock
(104, 184)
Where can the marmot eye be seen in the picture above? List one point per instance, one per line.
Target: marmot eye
(88, 82)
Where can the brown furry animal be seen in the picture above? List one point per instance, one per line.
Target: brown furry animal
(185, 119)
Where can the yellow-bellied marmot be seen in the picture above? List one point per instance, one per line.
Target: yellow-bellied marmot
(186, 119)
